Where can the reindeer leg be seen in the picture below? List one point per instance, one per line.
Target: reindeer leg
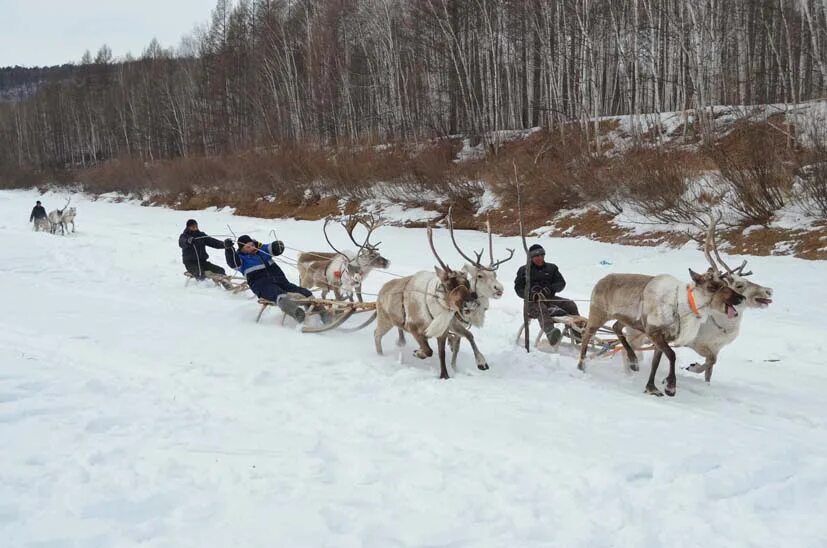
(461, 330)
(662, 347)
(440, 344)
(454, 342)
(400, 340)
(359, 293)
(588, 333)
(650, 386)
(672, 379)
(424, 350)
(710, 362)
(617, 327)
(383, 325)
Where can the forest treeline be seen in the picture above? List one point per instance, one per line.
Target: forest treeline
(269, 73)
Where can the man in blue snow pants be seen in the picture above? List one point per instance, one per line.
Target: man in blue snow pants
(265, 278)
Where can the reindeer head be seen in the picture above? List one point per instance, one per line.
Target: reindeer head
(351, 276)
(755, 295)
(459, 296)
(483, 278)
(720, 296)
(368, 255)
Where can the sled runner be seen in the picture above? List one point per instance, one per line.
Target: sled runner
(603, 343)
(229, 283)
(329, 314)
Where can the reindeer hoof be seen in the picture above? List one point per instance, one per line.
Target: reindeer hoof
(634, 367)
(652, 390)
(670, 391)
(444, 377)
(695, 368)
(419, 354)
(482, 366)
(582, 367)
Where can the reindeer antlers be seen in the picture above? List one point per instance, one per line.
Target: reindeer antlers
(324, 229)
(478, 261)
(492, 266)
(710, 242)
(433, 249)
(370, 222)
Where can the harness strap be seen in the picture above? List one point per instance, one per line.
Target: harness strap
(690, 297)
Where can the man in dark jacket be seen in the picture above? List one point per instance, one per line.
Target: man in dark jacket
(265, 278)
(193, 244)
(38, 213)
(544, 283)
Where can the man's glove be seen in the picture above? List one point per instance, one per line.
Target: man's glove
(228, 244)
(538, 293)
(305, 292)
(277, 248)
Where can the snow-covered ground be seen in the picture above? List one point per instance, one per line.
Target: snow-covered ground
(134, 411)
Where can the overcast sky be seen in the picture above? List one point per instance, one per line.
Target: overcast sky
(52, 32)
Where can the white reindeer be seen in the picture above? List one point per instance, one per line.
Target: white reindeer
(342, 271)
(485, 284)
(667, 309)
(720, 327)
(56, 218)
(69, 217)
(425, 305)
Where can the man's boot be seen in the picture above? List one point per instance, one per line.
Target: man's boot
(554, 336)
(291, 308)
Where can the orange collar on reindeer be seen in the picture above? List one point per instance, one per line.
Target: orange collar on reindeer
(690, 298)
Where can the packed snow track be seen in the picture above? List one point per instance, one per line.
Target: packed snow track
(137, 412)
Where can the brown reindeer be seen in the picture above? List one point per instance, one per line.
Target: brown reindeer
(342, 271)
(425, 305)
(669, 311)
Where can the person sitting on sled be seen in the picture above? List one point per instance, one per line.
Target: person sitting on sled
(544, 283)
(193, 244)
(265, 278)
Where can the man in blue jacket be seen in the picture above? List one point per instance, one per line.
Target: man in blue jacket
(265, 278)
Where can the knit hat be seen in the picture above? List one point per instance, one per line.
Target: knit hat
(244, 239)
(536, 250)
(191, 222)
(38, 202)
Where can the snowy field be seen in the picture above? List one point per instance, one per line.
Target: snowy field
(134, 411)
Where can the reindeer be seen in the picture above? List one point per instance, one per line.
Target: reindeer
(56, 218)
(669, 311)
(485, 284)
(719, 329)
(425, 305)
(342, 272)
(69, 217)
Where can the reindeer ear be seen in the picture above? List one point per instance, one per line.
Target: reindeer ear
(697, 278)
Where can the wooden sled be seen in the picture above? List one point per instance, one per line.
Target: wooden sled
(234, 285)
(604, 343)
(331, 313)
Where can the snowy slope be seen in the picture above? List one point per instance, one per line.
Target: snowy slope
(134, 411)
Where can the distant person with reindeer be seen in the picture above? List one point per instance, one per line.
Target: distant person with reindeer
(193, 244)
(544, 284)
(256, 261)
(39, 217)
